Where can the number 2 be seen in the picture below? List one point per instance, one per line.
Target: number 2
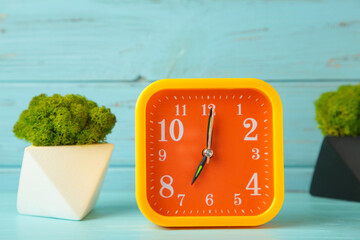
(248, 125)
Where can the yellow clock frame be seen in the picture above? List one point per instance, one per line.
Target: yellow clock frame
(208, 83)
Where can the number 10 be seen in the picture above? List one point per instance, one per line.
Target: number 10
(172, 133)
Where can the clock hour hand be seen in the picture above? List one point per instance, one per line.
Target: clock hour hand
(207, 152)
(199, 169)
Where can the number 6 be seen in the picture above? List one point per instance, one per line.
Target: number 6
(209, 199)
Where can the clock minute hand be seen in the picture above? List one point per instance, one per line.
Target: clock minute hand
(207, 152)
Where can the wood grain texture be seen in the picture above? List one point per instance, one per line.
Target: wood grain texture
(116, 216)
(110, 50)
(111, 40)
(302, 139)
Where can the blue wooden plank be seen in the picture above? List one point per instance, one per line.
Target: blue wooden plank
(302, 139)
(116, 216)
(123, 179)
(120, 40)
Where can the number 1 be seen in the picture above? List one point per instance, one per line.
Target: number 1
(162, 138)
(239, 107)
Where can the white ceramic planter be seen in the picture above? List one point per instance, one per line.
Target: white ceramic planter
(62, 181)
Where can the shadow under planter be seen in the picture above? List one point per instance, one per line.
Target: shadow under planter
(337, 171)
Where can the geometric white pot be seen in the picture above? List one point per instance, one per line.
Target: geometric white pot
(62, 181)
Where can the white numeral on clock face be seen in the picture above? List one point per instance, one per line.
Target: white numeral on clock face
(239, 108)
(181, 196)
(256, 155)
(254, 181)
(178, 110)
(166, 186)
(237, 199)
(162, 124)
(209, 106)
(181, 130)
(162, 155)
(248, 125)
(209, 199)
(172, 133)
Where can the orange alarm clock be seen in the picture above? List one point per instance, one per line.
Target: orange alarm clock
(209, 152)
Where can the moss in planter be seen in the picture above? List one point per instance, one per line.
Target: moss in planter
(338, 112)
(64, 120)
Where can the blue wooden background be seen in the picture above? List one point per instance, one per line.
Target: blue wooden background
(110, 50)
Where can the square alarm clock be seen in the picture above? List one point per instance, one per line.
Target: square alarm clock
(209, 152)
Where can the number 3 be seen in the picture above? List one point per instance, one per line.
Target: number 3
(256, 155)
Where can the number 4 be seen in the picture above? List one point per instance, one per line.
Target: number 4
(256, 188)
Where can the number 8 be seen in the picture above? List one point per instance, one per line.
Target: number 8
(166, 186)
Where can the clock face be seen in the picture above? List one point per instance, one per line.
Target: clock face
(238, 180)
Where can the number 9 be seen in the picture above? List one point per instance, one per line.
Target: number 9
(162, 155)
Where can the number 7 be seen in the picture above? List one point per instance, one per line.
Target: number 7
(182, 196)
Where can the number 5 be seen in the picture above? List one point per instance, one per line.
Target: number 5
(237, 199)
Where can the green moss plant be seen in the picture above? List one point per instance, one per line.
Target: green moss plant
(64, 120)
(338, 112)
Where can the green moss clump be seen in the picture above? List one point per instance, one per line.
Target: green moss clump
(338, 112)
(64, 120)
